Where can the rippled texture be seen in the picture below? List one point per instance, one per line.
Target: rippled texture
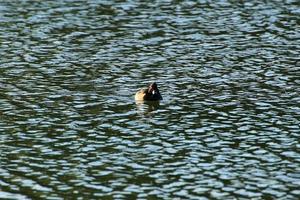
(228, 127)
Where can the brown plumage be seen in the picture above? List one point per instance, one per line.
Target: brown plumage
(149, 94)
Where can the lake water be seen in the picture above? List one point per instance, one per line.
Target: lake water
(228, 127)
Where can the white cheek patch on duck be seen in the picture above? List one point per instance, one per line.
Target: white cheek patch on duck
(153, 92)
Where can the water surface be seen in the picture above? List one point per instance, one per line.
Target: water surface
(228, 127)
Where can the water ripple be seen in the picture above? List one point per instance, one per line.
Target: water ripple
(228, 126)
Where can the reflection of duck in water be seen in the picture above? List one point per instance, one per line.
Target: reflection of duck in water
(150, 94)
(146, 107)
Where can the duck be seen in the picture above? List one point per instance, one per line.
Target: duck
(149, 94)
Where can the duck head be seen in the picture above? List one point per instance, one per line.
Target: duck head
(152, 89)
(154, 92)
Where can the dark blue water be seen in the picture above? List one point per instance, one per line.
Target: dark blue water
(228, 127)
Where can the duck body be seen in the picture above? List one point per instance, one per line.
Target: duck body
(149, 94)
